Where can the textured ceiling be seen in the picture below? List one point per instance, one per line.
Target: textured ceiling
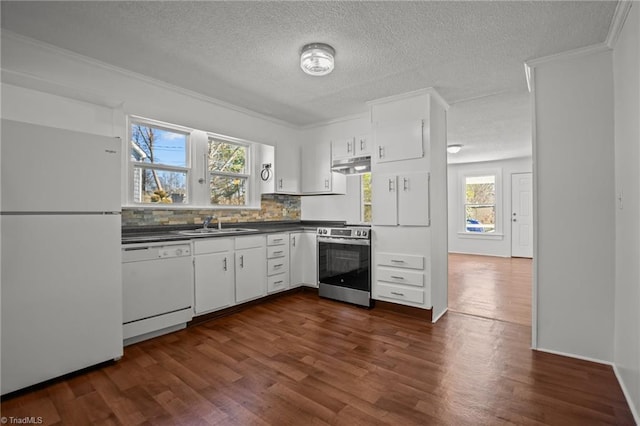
(247, 53)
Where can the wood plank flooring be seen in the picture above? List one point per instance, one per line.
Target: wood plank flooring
(302, 360)
(491, 287)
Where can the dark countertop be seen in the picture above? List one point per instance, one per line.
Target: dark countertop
(149, 234)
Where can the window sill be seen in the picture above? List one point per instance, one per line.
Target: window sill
(481, 236)
(187, 207)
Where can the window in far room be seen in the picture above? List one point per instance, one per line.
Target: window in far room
(480, 204)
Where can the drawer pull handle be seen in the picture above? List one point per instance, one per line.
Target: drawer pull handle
(397, 277)
(395, 293)
(397, 261)
(224, 264)
(279, 265)
(278, 252)
(278, 282)
(275, 240)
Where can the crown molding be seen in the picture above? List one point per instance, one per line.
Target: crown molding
(426, 91)
(582, 51)
(351, 117)
(617, 23)
(6, 34)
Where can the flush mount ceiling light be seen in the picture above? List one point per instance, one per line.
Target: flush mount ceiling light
(454, 149)
(317, 59)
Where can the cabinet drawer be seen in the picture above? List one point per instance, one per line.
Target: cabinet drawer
(277, 251)
(400, 276)
(249, 242)
(277, 239)
(277, 283)
(212, 245)
(277, 266)
(389, 291)
(400, 260)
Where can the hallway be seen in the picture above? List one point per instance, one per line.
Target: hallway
(491, 287)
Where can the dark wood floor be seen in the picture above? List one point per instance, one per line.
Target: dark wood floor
(491, 287)
(302, 360)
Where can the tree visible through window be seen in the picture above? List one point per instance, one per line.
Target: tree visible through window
(366, 197)
(228, 170)
(159, 159)
(480, 204)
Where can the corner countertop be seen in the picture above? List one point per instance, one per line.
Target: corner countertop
(150, 234)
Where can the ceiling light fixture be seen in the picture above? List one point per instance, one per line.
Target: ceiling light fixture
(454, 149)
(317, 59)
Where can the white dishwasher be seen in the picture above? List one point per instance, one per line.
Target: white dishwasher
(157, 281)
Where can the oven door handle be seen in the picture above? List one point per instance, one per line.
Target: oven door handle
(347, 241)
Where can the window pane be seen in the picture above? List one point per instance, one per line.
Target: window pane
(229, 191)
(366, 197)
(480, 218)
(480, 190)
(159, 186)
(227, 157)
(158, 146)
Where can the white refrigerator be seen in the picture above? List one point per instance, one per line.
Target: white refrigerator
(61, 283)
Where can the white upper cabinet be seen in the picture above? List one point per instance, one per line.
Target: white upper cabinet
(355, 146)
(317, 177)
(398, 140)
(400, 199)
(282, 174)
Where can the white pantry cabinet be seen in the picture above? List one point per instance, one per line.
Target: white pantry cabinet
(400, 199)
(355, 146)
(214, 274)
(398, 141)
(250, 268)
(317, 177)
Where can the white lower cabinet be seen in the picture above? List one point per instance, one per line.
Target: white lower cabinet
(277, 262)
(214, 274)
(401, 278)
(303, 259)
(250, 267)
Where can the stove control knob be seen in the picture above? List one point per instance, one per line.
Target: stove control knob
(358, 233)
(324, 231)
(319, 231)
(364, 233)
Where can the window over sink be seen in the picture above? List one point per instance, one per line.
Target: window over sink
(172, 166)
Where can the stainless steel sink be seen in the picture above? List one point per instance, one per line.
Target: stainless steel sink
(215, 231)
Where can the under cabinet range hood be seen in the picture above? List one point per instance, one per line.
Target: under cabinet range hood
(352, 166)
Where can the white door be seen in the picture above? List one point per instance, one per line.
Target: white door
(521, 215)
(413, 199)
(384, 199)
(296, 259)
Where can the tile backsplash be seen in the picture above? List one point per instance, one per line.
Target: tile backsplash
(274, 207)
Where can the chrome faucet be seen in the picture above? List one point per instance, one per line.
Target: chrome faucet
(207, 222)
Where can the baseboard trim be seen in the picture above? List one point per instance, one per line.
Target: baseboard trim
(570, 355)
(200, 319)
(437, 318)
(411, 311)
(627, 396)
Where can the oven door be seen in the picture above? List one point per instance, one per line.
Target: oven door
(345, 263)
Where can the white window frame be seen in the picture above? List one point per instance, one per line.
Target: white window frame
(462, 228)
(198, 190)
(132, 164)
(362, 202)
(248, 167)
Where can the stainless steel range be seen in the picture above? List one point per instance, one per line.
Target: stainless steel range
(344, 264)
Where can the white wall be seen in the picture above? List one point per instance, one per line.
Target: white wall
(626, 65)
(496, 245)
(573, 172)
(335, 207)
(35, 65)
